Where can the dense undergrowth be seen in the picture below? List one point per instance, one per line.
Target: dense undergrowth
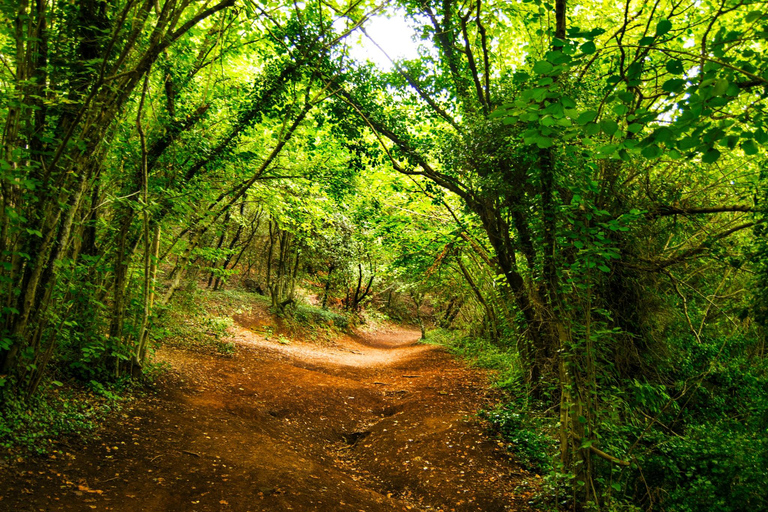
(699, 441)
(38, 424)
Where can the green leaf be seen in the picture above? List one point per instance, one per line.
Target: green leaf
(663, 134)
(688, 143)
(749, 147)
(710, 156)
(607, 150)
(673, 85)
(592, 129)
(675, 66)
(544, 142)
(629, 143)
(586, 117)
(620, 109)
(604, 268)
(499, 112)
(730, 141)
(634, 127)
(609, 126)
(543, 67)
(720, 88)
(646, 41)
(6, 343)
(663, 27)
(588, 47)
(651, 152)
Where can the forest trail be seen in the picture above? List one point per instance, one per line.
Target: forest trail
(368, 423)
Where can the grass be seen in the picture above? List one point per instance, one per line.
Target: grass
(481, 353)
(201, 319)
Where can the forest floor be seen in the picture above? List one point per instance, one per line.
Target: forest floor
(371, 422)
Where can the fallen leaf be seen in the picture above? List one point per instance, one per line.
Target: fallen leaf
(85, 488)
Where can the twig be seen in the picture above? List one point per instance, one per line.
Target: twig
(685, 306)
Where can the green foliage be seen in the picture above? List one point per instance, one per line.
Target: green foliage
(714, 454)
(318, 317)
(193, 321)
(481, 353)
(586, 202)
(527, 434)
(34, 424)
(716, 465)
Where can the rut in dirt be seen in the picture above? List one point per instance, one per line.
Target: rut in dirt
(371, 423)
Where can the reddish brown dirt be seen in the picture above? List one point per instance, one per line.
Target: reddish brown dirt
(375, 423)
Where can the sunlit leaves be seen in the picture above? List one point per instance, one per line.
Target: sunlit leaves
(720, 87)
(543, 67)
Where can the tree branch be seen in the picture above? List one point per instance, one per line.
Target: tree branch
(667, 210)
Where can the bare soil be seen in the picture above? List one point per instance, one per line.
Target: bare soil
(374, 422)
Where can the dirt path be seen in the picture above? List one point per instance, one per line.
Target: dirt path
(370, 424)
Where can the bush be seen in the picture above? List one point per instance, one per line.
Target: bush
(527, 434)
(716, 458)
(715, 467)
